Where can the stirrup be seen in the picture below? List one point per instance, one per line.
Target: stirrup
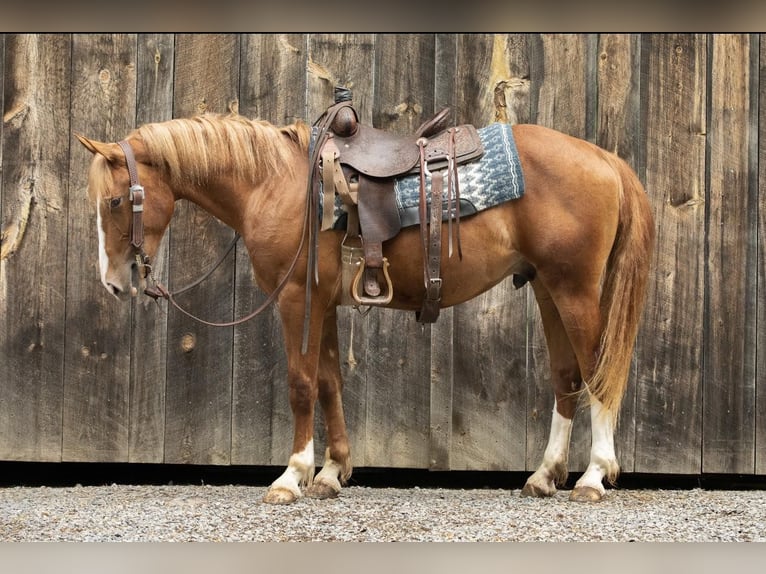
(386, 294)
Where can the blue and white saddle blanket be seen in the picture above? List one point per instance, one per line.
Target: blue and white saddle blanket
(493, 179)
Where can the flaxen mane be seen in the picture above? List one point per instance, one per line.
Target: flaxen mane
(210, 145)
(99, 179)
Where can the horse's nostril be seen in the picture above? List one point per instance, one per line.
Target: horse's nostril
(114, 290)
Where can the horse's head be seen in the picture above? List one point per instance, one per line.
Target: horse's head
(129, 231)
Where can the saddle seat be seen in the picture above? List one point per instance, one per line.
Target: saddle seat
(379, 153)
(361, 163)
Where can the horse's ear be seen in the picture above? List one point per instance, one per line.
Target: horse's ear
(109, 151)
(91, 145)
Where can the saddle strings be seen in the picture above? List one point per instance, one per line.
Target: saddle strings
(453, 179)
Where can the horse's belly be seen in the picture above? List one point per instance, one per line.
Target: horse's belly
(483, 265)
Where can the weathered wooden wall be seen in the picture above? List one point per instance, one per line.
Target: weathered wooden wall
(83, 378)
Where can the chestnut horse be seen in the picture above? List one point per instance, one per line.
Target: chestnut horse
(583, 227)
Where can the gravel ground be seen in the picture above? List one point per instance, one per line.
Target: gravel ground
(365, 514)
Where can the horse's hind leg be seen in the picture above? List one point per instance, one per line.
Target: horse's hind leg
(337, 463)
(566, 381)
(580, 314)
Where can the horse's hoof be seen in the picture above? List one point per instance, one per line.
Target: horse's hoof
(536, 491)
(322, 490)
(586, 494)
(280, 495)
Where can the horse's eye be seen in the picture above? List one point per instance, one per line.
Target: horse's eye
(115, 202)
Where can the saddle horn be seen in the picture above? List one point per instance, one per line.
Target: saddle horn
(345, 122)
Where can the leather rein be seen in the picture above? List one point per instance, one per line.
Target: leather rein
(143, 262)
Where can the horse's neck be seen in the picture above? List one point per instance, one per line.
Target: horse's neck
(242, 205)
(239, 203)
(224, 202)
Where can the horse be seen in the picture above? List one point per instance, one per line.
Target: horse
(582, 233)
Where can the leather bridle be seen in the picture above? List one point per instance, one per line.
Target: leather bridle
(136, 198)
(158, 290)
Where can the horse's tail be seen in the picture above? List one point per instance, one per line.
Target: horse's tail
(624, 290)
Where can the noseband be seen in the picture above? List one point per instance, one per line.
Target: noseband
(143, 262)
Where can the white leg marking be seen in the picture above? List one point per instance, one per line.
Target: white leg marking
(299, 471)
(557, 451)
(603, 461)
(330, 473)
(555, 458)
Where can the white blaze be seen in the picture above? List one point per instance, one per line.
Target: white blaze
(103, 259)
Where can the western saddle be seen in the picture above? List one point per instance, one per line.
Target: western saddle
(360, 164)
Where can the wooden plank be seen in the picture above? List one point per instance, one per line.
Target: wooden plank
(760, 391)
(340, 60)
(149, 334)
(442, 332)
(618, 107)
(3, 235)
(273, 87)
(729, 388)
(3, 39)
(398, 391)
(199, 388)
(560, 95)
(490, 356)
(669, 385)
(509, 99)
(33, 200)
(514, 103)
(563, 95)
(398, 349)
(403, 100)
(97, 329)
(618, 130)
(347, 60)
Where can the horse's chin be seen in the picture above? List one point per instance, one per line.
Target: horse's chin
(121, 295)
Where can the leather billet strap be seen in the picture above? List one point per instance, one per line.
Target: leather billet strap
(136, 197)
(430, 233)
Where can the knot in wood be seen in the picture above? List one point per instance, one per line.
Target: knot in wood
(188, 342)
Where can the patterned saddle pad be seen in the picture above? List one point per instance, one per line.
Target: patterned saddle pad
(489, 181)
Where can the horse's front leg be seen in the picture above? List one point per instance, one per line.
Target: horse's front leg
(303, 392)
(336, 469)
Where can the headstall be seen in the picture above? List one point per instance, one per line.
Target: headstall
(136, 197)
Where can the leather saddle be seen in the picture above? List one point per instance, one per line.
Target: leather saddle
(360, 163)
(378, 153)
